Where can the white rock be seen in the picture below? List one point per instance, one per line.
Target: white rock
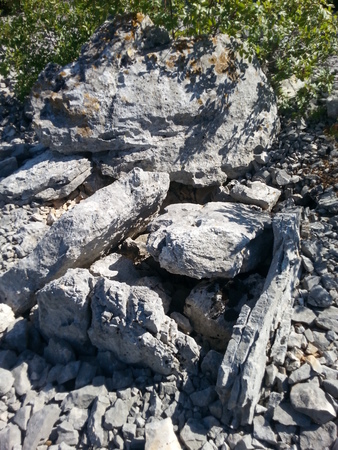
(160, 435)
(256, 193)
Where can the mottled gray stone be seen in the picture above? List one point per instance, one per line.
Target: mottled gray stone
(302, 374)
(85, 375)
(82, 398)
(263, 431)
(210, 365)
(45, 177)
(242, 370)
(116, 416)
(318, 437)
(256, 193)
(319, 297)
(160, 435)
(22, 416)
(22, 383)
(214, 240)
(77, 417)
(67, 434)
(204, 398)
(303, 315)
(197, 119)
(331, 386)
(309, 399)
(285, 414)
(130, 322)
(193, 434)
(10, 437)
(64, 310)
(83, 233)
(40, 426)
(6, 381)
(59, 351)
(97, 435)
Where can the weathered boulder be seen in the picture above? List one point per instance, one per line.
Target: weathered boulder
(64, 309)
(82, 234)
(191, 108)
(48, 176)
(242, 370)
(214, 240)
(130, 322)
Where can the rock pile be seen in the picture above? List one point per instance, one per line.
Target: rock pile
(139, 313)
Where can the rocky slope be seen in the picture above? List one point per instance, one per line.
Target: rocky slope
(236, 351)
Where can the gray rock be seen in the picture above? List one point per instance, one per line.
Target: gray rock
(17, 335)
(59, 351)
(8, 166)
(285, 414)
(303, 315)
(69, 372)
(319, 297)
(22, 417)
(7, 317)
(67, 434)
(64, 310)
(46, 177)
(263, 431)
(22, 383)
(204, 398)
(160, 435)
(318, 437)
(10, 437)
(83, 233)
(82, 398)
(214, 240)
(172, 112)
(97, 435)
(7, 359)
(6, 381)
(193, 434)
(309, 399)
(302, 374)
(130, 322)
(77, 417)
(331, 386)
(237, 387)
(85, 375)
(210, 365)
(116, 416)
(256, 193)
(40, 426)
(28, 236)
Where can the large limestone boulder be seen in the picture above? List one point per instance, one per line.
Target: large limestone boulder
(130, 322)
(214, 240)
(191, 108)
(84, 233)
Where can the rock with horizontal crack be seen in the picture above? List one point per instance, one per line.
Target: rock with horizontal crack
(214, 240)
(192, 108)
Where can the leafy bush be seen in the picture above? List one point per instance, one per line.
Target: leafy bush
(289, 37)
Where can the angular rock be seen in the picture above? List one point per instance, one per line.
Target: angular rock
(64, 309)
(59, 351)
(82, 234)
(309, 399)
(22, 417)
(48, 176)
(263, 431)
(67, 434)
(318, 437)
(160, 435)
(82, 398)
(130, 322)
(8, 166)
(7, 317)
(97, 435)
(10, 437)
(40, 426)
(116, 416)
(285, 414)
(6, 381)
(22, 383)
(199, 119)
(319, 297)
(242, 370)
(256, 193)
(214, 240)
(193, 434)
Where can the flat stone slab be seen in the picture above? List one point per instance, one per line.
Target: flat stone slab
(84, 233)
(256, 193)
(48, 176)
(215, 240)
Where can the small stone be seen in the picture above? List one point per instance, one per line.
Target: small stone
(116, 416)
(160, 435)
(67, 434)
(263, 431)
(303, 315)
(285, 414)
(40, 426)
(21, 384)
(193, 434)
(318, 437)
(319, 297)
(22, 417)
(310, 400)
(6, 381)
(307, 264)
(331, 386)
(203, 398)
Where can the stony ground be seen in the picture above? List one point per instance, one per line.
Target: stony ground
(93, 402)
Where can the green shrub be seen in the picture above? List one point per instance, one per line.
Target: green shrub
(289, 37)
